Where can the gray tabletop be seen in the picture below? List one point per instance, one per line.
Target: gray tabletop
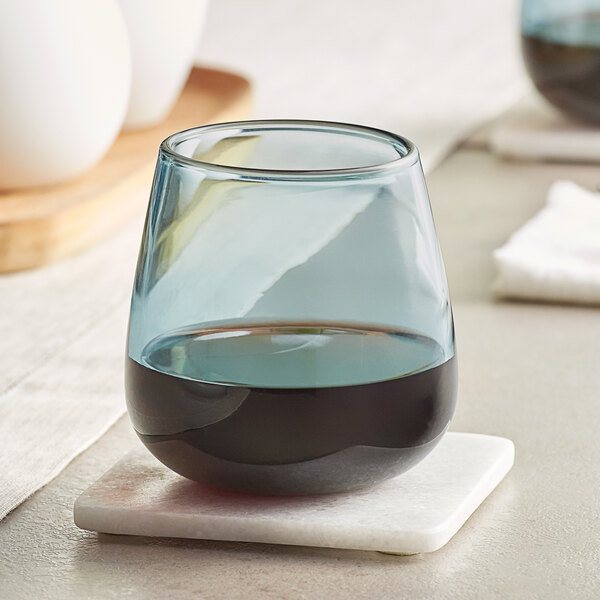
(527, 371)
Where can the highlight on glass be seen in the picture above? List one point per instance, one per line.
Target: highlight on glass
(290, 328)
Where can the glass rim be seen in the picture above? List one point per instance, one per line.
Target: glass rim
(409, 158)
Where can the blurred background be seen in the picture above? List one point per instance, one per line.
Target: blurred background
(431, 70)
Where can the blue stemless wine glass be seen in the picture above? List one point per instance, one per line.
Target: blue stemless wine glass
(290, 328)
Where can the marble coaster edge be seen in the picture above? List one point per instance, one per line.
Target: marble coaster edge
(224, 527)
(473, 501)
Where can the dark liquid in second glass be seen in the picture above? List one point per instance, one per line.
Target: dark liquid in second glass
(563, 60)
(291, 408)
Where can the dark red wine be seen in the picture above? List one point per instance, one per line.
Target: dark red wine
(289, 408)
(563, 60)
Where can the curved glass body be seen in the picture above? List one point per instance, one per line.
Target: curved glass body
(290, 327)
(561, 48)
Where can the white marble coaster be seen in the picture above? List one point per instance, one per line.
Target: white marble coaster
(418, 511)
(533, 130)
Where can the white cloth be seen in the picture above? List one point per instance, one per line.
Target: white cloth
(62, 347)
(421, 69)
(556, 255)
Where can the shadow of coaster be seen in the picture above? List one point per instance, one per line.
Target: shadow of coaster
(418, 511)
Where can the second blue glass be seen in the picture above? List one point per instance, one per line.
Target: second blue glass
(561, 47)
(290, 328)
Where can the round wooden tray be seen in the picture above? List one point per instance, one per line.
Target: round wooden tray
(40, 225)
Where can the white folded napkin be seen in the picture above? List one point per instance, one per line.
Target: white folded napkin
(556, 255)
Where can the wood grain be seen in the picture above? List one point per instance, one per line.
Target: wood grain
(40, 225)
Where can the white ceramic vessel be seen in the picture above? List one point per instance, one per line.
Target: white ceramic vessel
(163, 36)
(66, 73)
